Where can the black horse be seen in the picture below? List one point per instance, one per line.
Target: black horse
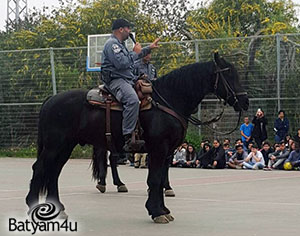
(67, 119)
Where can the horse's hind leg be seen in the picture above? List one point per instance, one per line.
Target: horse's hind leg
(55, 165)
(38, 183)
(100, 168)
(114, 170)
(169, 192)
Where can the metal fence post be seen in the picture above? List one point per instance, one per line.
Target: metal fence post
(53, 71)
(196, 51)
(278, 58)
(199, 107)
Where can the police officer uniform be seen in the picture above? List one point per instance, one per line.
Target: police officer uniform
(117, 66)
(148, 69)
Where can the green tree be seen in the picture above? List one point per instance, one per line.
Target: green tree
(171, 13)
(242, 18)
(72, 22)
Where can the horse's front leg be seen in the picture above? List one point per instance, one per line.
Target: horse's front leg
(155, 183)
(165, 174)
(116, 179)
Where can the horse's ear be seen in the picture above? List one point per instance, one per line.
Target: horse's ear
(217, 58)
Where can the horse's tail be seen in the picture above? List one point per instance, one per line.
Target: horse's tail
(40, 143)
(95, 165)
(96, 160)
(43, 183)
(40, 139)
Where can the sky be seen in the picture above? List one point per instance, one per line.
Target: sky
(30, 4)
(54, 3)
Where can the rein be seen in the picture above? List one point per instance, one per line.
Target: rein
(195, 121)
(229, 91)
(229, 132)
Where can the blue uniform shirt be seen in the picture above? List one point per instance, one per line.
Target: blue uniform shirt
(247, 130)
(118, 60)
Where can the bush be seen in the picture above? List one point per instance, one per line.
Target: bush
(193, 138)
(31, 152)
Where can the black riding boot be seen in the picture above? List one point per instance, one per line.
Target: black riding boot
(133, 146)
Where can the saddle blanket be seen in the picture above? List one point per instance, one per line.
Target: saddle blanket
(99, 97)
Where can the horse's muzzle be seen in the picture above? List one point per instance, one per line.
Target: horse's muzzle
(243, 103)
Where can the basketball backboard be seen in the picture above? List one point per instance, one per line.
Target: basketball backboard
(95, 47)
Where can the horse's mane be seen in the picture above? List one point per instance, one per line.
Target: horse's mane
(184, 76)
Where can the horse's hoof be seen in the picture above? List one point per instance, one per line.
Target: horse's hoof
(101, 188)
(170, 217)
(169, 193)
(162, 219)
(62, 215)
(29, 212)
(122, 189)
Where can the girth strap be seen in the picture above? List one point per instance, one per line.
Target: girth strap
(174, 114)
(108, 128)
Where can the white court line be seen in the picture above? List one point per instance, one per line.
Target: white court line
(184, 199)
(27, 189)
(212, 200)
(172, 180)
(128, 183)
(138, 189)
(240, 181)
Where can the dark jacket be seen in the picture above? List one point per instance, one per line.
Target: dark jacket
(297, 138)
(281, 127)
(202, 151)
(191, 156)
(259, 130)
(266, 154)
(214, 154)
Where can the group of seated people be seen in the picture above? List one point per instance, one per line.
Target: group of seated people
(282, 155)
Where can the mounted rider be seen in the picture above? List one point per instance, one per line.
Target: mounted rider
(117, 66)
(143, 66)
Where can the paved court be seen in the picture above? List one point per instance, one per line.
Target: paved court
(207, 202)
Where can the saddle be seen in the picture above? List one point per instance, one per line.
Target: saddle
(102, 98)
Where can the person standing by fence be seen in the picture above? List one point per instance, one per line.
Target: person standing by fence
(281, 126)
(259, 132)
(246, 131)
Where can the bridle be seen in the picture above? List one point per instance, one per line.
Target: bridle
(229, 93)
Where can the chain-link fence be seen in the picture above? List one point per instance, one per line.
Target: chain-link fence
(269, 68)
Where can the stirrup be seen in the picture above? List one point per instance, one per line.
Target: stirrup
(136, 146)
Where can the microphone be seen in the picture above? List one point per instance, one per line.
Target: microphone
(132, 38)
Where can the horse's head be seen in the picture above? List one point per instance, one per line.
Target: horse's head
(227, 84)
